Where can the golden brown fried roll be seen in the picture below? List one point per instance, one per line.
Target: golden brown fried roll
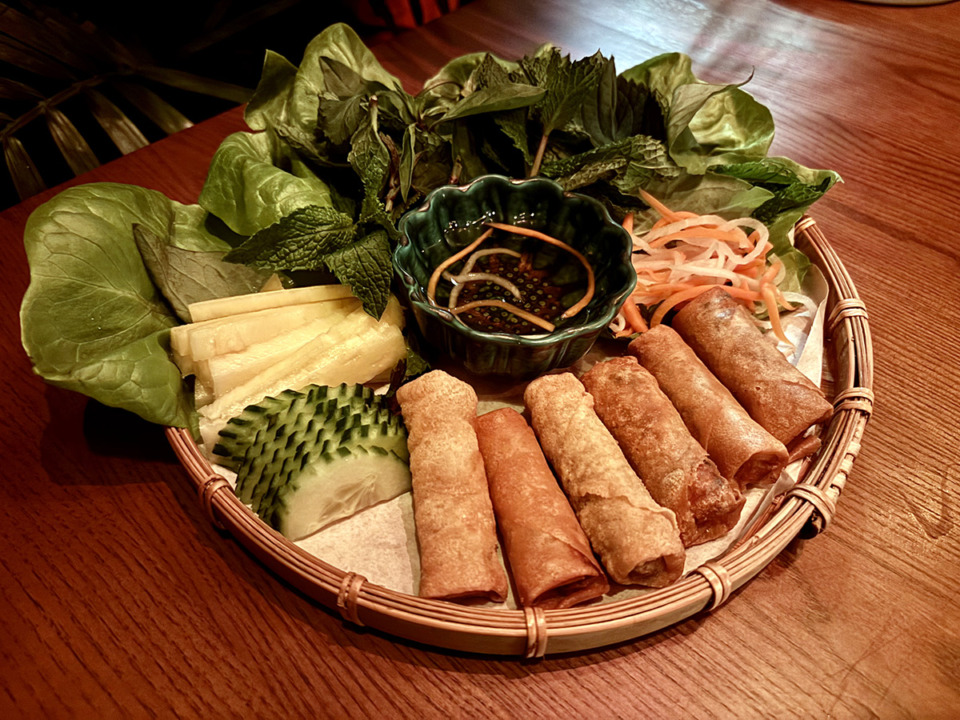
(742, 450)
(777, 395)
(637, 540)
(674, 467)
(456, 530)
(549, 556)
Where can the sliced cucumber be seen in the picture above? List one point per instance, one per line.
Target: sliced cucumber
(336, 485)
(274, 443)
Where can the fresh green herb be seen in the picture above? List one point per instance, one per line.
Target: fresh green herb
(341, 120)
(92, 319)
(189, 276)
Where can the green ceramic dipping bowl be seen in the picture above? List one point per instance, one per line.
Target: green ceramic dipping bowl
(452, 217)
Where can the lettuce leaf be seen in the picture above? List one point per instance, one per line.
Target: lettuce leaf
(92, 320)
(338, 151)
(255, 179)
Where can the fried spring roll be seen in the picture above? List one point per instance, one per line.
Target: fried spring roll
(637, 540)
(456, 529)
(549, 556)
(672, 464)
(777, 395)
(742, 449)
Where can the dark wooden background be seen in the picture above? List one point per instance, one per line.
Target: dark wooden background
(119, 599)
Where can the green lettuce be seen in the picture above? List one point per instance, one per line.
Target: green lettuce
(93, 319)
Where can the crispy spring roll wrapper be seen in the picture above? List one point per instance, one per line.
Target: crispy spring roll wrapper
(672, 464)
(775, 393)
(456, 529)
(550, 558)
(742, 449)
(637, 540)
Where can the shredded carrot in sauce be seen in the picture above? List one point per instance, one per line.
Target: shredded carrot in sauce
(525, 260)
(519, 312)
(591, 280)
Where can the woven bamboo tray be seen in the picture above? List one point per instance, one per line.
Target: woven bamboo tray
(805, 509)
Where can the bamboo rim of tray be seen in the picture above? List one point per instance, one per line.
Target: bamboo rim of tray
(806, 508)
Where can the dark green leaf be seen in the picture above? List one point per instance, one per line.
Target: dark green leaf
(370, 159)
(342, 81)
(189, 276)
(298, 241)
(567, 84)
(495, 99)
(620, 109)
(514, 126)
(407, 161)
(338, 120)
(365, 266)
(627, 164)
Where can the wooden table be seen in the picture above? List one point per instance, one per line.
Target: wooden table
(119, 599)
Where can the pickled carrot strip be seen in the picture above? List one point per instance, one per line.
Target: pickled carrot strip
(529, 317)
(591, 280)
(435, 278)
(633, 317)
(771, 302)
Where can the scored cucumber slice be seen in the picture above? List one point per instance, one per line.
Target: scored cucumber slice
(336, 485)
(240, 432)
(274, 442)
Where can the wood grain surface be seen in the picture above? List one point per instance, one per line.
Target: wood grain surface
(118, 598)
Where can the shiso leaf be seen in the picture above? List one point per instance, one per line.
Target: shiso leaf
(188, 276)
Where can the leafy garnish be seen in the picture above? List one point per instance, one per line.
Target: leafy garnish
(189, 276)
(298, 241)
(92, 319)
(366, 267)
(338, 151)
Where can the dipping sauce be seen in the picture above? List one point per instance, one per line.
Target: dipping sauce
(548, 279)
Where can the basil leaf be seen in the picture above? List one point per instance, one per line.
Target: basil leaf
(566, 83)
(510, 96)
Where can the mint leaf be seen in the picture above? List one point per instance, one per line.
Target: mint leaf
(370, 160)
(298, 241)
(338, 120)
(514, 126)
(566, 83)
(627, 164)
(492, 72)
(366, 267)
